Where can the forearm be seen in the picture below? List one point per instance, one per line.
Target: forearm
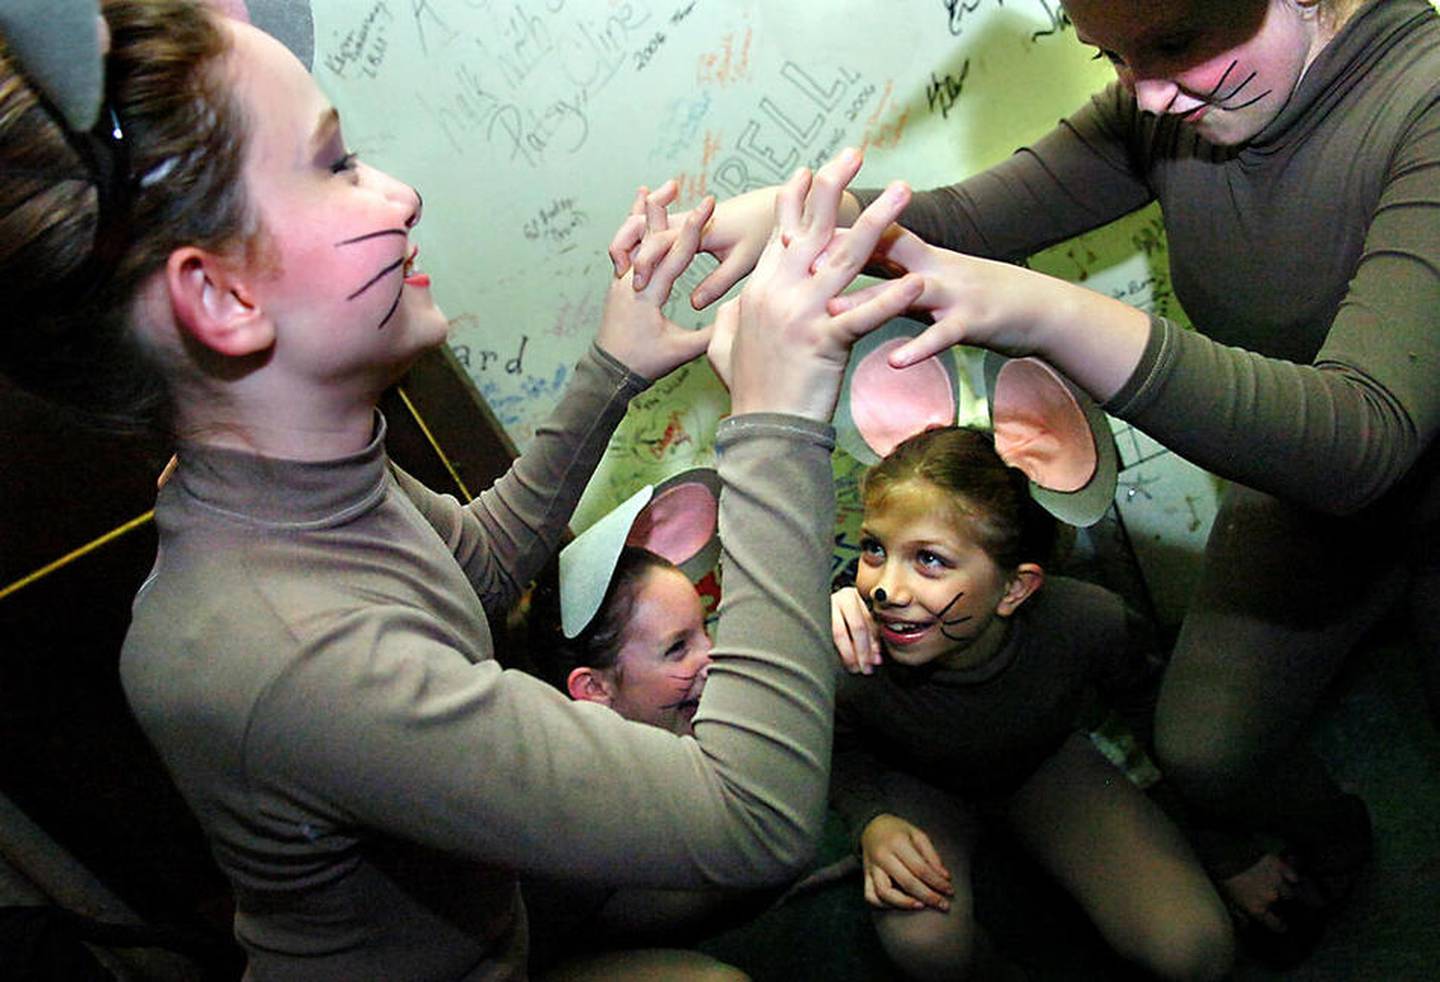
(1325, 435)
(521, 518)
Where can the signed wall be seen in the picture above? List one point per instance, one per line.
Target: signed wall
(528, 124)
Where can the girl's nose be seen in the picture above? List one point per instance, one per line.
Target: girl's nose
(889, 591)
(1154, 95)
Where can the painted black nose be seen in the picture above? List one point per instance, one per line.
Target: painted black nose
(878, 594)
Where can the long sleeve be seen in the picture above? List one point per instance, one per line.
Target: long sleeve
(503, 537)
(1079, 176)
(500, 768)
(856, 792)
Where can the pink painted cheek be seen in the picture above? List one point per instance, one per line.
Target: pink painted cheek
(1214, 78)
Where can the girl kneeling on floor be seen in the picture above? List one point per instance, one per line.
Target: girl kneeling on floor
(968, 673)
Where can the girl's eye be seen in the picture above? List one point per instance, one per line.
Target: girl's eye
(347, 162)
(931, 560)
(676, 650)
(871, 549)
(1109, 56)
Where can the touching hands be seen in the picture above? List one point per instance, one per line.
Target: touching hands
(634, 329)
(1095, 339)
(776, 346)
(902, 868)
(853, 629)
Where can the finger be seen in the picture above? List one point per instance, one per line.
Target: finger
(637, 207)
(846, 645)
(910, 874)
(652, 250)
(626, 238)
(682, 250)
(823, 202)
(722, 338)
(686, 344)
(896, 297)
(718, 281)
(851, 299)
(666, 194)
(790, 205)
(886, 894)
(849, 254)
(655, 204)
(935, 338)
(931, 856)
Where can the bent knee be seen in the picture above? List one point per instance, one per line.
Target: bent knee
(1202, 766)
(1197, 948)
(927, 944)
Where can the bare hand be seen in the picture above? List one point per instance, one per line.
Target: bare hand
(1093, 338)
(902, 868)
(779, 347)
(854, 631)
(634, 329)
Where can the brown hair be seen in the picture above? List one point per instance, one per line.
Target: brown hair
(184, 137)
(555, 656)
(989, 497)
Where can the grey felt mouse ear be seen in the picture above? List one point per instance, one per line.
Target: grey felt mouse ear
(880, 406)
(677, 520)
(58, 45)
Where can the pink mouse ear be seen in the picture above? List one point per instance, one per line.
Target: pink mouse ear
(678, 522)
(890, 404)
(1040, 427)
(881, 406)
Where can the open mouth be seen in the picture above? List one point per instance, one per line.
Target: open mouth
(903, 632)
(412, 276)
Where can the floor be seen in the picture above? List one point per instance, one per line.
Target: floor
(1376, 735)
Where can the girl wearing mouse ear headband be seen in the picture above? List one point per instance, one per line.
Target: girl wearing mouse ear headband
(969, 668)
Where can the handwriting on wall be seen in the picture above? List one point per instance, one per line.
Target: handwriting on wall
(528, 125)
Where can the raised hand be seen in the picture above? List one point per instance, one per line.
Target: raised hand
(853, 629)
(1095, 339)
(778, 347)
(634, 329)
(902, 868)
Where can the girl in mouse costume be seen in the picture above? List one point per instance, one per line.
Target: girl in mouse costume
(970, 669)
(311, 655)
(1293, 147)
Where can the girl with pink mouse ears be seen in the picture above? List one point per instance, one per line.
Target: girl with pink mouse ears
(969, 672)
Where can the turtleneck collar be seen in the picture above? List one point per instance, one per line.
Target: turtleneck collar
(1368, 36)
(273, 491)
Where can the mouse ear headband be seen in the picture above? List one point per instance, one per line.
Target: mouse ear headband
(1044, 425)
(678, 520)
(1055, 433)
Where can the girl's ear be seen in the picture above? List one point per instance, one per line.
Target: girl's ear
(212, 302)
(589, 685)
(1028, 578)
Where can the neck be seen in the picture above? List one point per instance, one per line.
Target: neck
(316, 426)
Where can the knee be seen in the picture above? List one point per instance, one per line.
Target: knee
(927, 944)
(1201, 764)
(1199, 947)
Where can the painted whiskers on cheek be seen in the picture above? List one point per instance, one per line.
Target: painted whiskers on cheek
(397, 265)
(955, 622)
(1214, 98)
(688, 681)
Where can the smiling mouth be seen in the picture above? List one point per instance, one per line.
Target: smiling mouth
(903, 632)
